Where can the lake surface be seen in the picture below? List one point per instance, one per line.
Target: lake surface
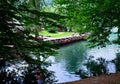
(70, 58)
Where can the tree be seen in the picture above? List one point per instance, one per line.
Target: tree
(17, 42)
(94, 16)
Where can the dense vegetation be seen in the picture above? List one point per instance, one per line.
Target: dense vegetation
(21, 19)
(19, 23)
(94, 16)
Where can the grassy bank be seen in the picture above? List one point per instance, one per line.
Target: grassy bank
(55, 35)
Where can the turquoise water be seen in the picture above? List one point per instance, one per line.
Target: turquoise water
(70, 58)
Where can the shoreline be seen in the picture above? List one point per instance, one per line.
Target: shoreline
(66, 40)
(113, 78)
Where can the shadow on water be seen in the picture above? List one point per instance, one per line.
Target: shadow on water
(99, 66)
(94, 67)
(72, 56)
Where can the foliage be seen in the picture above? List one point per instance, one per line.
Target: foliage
(117, 62)
(94, 16)
(94, 68)
(52, 29)
(16, 37)
(98, 67)
(28, 76)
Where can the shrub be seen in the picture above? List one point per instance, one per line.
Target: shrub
(52, 30)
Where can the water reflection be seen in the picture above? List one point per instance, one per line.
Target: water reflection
(108, 52)
(71, 57)
(69, 60)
